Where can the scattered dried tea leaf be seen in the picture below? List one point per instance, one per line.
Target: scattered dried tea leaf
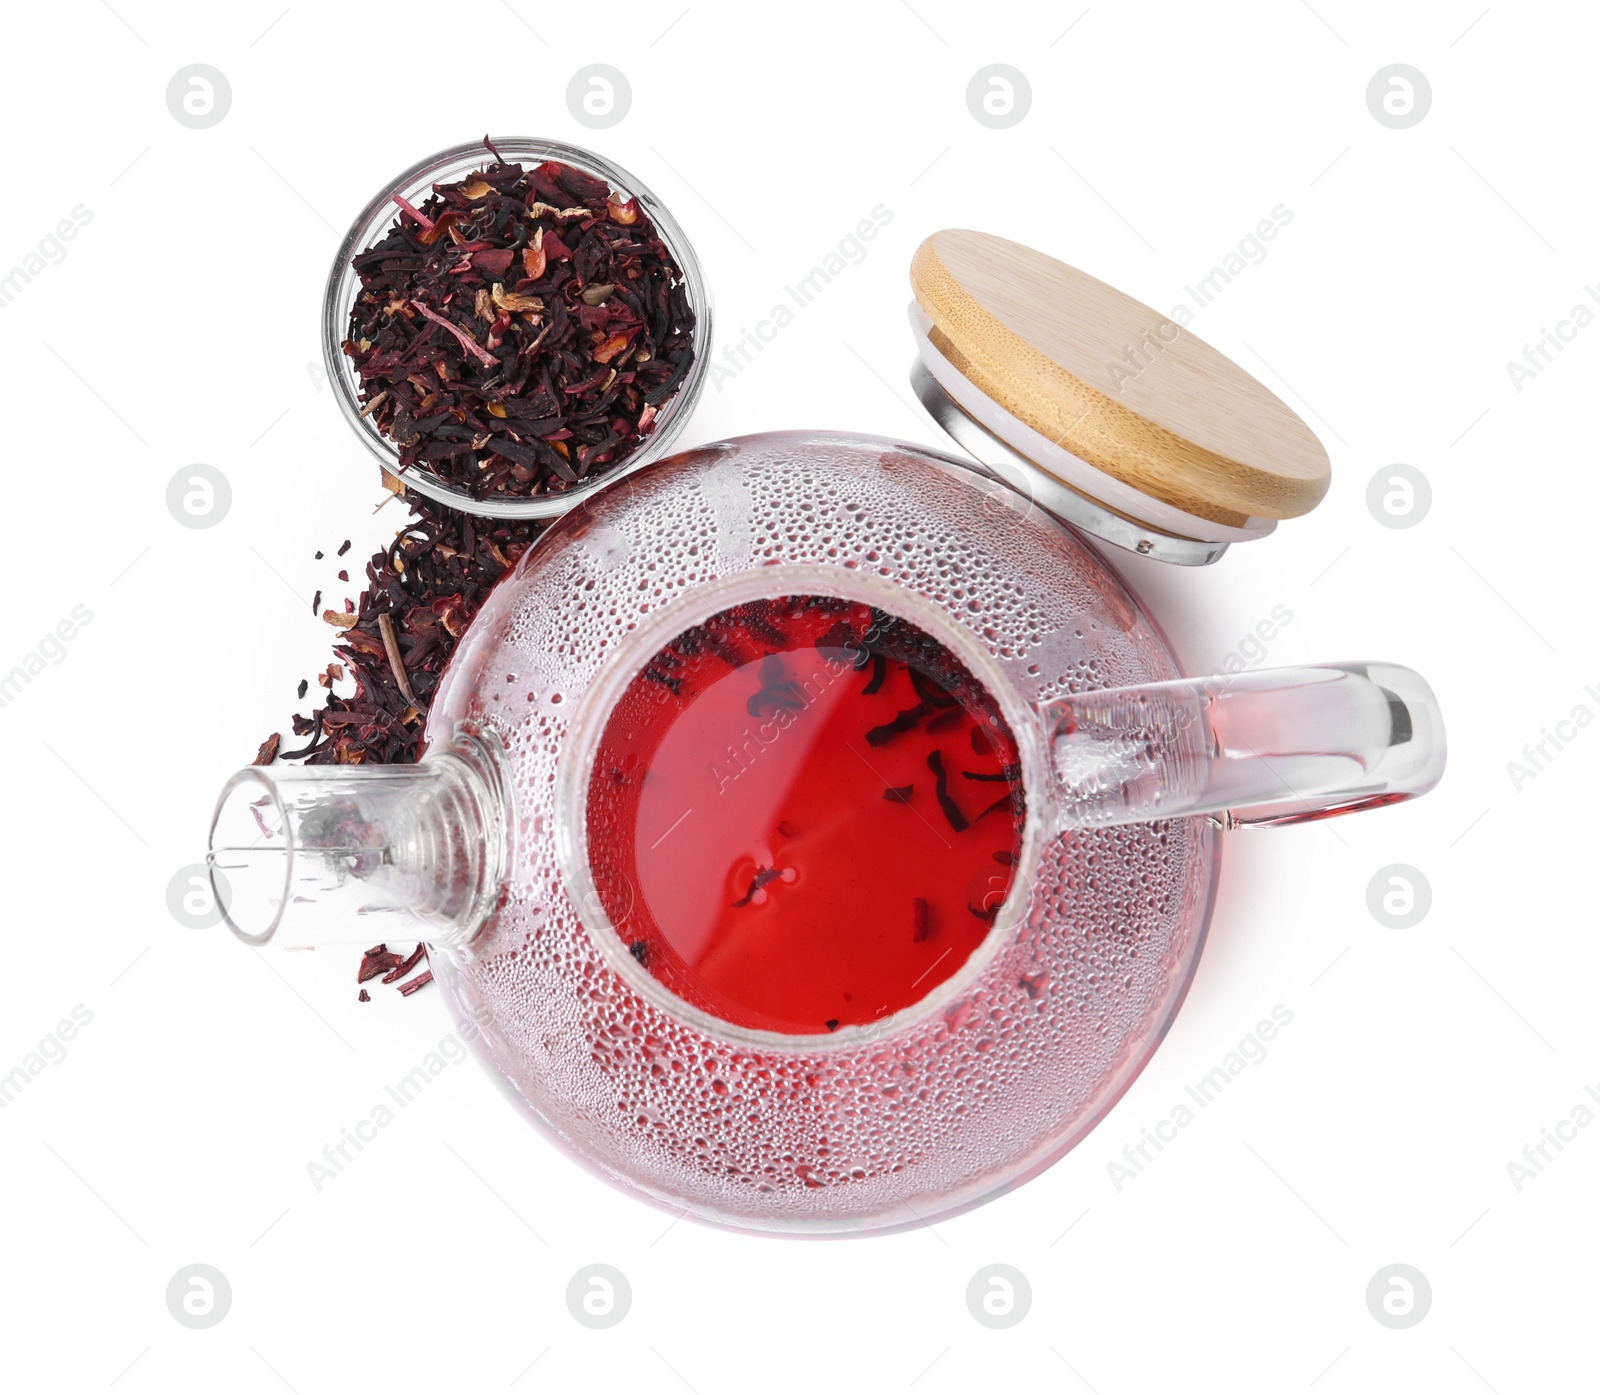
(377, 960)
(430, 581)
(427, 583)
(403, 968)
(268, 752)
(391, 649)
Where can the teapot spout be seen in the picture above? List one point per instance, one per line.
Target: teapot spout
(307, 855)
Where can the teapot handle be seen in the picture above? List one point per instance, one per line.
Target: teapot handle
(1274, 746)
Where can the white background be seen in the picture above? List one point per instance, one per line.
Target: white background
(181, 328)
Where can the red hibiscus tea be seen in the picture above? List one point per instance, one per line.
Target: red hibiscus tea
(804, 814)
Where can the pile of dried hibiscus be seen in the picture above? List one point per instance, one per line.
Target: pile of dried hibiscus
(520, 331)
(422, 591)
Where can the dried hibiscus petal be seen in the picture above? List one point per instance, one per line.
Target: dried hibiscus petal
(406, 966)
(380, 959)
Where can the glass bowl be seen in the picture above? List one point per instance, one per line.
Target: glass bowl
(414, 186)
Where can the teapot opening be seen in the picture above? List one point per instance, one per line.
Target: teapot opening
(804, 814)
(796, 811)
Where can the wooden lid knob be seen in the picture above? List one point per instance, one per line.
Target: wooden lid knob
(1115, 383)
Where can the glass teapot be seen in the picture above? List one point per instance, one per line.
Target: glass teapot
(818, 829)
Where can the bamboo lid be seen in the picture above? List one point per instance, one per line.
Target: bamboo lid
(1114, 383)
